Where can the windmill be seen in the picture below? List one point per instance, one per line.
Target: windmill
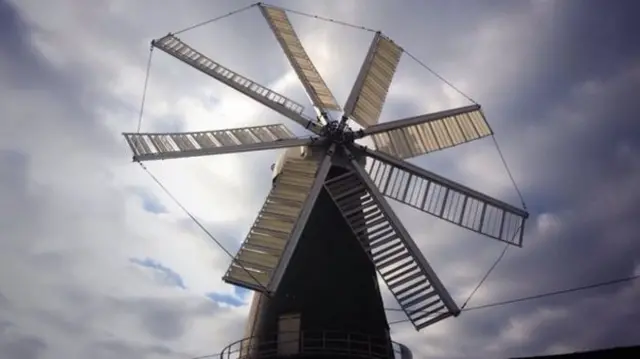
(326, 231)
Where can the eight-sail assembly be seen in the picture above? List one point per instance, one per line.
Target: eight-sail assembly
(359, 193)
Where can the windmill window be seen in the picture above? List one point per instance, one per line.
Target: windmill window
(289, 334)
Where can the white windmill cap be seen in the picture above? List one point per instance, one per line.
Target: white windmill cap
(295, 152)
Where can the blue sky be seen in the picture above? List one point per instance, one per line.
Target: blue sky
(165, 274)
(150, 203)
(557, 80)
(168, 276)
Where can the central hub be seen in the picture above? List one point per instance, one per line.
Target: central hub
(338, 133)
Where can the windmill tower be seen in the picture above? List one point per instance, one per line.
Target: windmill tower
(326, 230)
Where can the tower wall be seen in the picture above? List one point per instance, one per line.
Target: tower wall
(331, 285)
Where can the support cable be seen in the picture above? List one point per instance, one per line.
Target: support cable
(481, 282)
(202, 227)
(506, 167)
(327, 19)
(537, 296)
(144, 90)
(504, 162)
(557, 292)
(215, 19)
(348, 25)
(493, 266)
(434, 73)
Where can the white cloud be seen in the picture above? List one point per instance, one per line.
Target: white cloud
(75, 220)
(548, 225)
(520, 329)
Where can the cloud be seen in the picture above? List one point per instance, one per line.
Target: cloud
(226, 299)
(74, 210)
(23, 348)
(238, 298)
(70, 223)
(120, 348)
(582, 231)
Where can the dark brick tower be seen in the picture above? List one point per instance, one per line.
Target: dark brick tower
(328, 304)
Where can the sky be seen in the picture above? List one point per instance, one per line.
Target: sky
(97, 261)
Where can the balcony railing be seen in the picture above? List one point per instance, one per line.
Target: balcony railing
(336, 344)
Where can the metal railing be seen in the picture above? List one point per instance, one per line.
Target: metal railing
(310, 343)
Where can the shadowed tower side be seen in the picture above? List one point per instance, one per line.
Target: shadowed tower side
(329, 296)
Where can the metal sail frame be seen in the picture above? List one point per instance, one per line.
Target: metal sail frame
(397, 258)
(314, 85)
(162, 146)
(444, 198)
(369, 92)
(265, 254)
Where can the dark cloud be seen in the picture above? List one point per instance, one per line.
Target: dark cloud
(4, 325)
(30, 78)
(22, 64)
(122, 349)
(167, 319)
(572, 140)
(162, 320)
(22, 348)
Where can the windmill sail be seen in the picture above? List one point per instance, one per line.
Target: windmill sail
(369, 92)
(418, 135)
(313, 83)
(446, 199)
(285, 106)
(395, 255)
(161, 146)
(284, 251)
(271, 240)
